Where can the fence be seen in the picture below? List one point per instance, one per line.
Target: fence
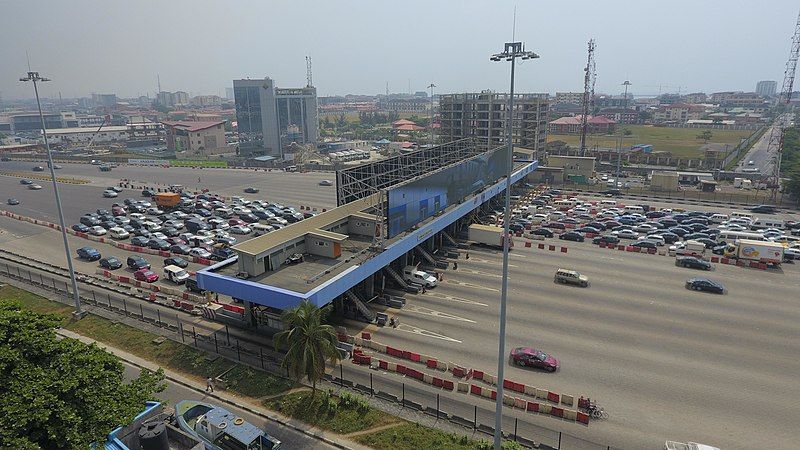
(744, 198)
(221, 341)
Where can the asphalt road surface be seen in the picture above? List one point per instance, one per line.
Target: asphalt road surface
(289, 438)
(665, 362)
(760, 155)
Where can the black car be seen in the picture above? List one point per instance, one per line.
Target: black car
(109, 224)
(571, 236)
(692, 263)
(191, 284)
(669, 237)
(158, 244)
(587, 229)
(38, 169)
(611, 192)
(764, 209)
(709, 243)
(110, 263)
(137, 262)
(203, 212)
(249, 218)
(644, 244)
(695, 236)
(680, 231)
(516, 227)
(147, 193)
(655, 214)
(704, 284)
(221, 254)
(542, 232)
(171, 232)
(251, 190)
(667, 222)
(90, 221)
(13, 201)
(25, 181)
(140, 241)
(262, 215)
(599, 225)
(176, 261)
(180, 249)
(142, 232)
(80, 228)
(103, 212)
(608, 239)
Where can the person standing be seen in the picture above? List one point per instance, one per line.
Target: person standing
(209, 385)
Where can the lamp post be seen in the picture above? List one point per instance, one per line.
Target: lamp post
(619, 142)
(512, 51)
(34, 76)
(430, 121)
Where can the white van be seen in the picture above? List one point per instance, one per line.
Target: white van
(413, 275)
(608, 203)
(718, 218)
(118, 233)
(175, 274)
(741, 215)
(767, 223)
(260, 229)
(634, 210)
(152, 226)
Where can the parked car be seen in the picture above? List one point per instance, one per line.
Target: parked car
(607, 238)
(542, 232)
(326, 183)
(626, 234)
(692, 262)
(240, 229)
(80, 228)
(200, 253)
(644, 244)
(110, 263)
(137, 262)
(531, 357)
(110, 194)
(89, 253)
(705, 284)
(176, 261)
(571, 236)
(251, 190)
(97, 230)
(12, 201)
(140, 241)
(180, 249)
(146, 275)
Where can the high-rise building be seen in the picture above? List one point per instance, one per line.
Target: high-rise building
(485, 114)
(229, 93)
(106, 100)
(270, 118)
(766, 88)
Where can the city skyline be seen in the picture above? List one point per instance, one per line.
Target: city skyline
(123, 48)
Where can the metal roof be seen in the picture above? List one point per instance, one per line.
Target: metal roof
(279, 237)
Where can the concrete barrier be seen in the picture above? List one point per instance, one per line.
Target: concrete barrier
(567, 399)
(570, 414)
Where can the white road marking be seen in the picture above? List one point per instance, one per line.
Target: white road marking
(476, 286)
(456, 299)
(485, 274)
(434, 313)
(426, 333)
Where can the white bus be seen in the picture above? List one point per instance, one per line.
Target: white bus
(733, 236)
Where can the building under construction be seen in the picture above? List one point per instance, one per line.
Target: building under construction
(484, 116)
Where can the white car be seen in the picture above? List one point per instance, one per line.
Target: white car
(204, 233)
(239, 210)
(180, 215)
(240, 201)
(110, 194)
(34, 187)
(326, 183)
(219, 224)
(733, 227)
(160, 235)
(555, 215)
(118, 233)
(645, 228)
(240, 229)
(656, 239)
(137, 216)
(144, 203)
(154, 211)
(174, 223)
(791, 253)
(97, 230)
(200, 252)
(626, 234)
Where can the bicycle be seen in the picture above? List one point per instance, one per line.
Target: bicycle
(594, 411)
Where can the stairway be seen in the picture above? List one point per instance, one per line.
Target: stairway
(425, 255)
(368, 314)
(449, 239)
(396, 277)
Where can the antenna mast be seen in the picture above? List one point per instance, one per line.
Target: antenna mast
(776, 135)
(309, 80)
(588, 95)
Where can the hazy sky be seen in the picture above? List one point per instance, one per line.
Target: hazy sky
(357, 46)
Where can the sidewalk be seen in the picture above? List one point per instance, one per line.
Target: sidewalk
(199, 386)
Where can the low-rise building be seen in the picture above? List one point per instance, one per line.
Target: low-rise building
(578, 169)
(83, 135)
(195, 139)
(621, 115)
(573, 125)
(678, 113)
(568, 97)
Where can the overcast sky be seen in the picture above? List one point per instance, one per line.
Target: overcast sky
(358, 46)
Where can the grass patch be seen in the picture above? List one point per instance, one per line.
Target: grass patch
(196, 163)
(678, 141)
(411, 436)
(253, 383)
(181, 358)
(344, 414)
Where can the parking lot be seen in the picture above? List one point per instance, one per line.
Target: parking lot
(657, 356)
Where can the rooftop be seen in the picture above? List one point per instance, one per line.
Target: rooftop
(91, 130)
(193, 126)
(577, 120)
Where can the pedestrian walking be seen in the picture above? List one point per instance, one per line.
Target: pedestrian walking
(467, 257)
(455, 265)
(209, 385)
(423, 288)
(216, 296)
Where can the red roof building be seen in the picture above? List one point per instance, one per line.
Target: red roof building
(195, 139)
(573, 125)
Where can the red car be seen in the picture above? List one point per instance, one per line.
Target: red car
(234, 222)
(557, 225)
(118, 211)
(530, 357)
(146, 275)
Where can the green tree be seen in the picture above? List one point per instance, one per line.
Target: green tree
(308, 341)
(341, 121)
(705, 136)
(644, 116)
(626, 132)
(61, 394)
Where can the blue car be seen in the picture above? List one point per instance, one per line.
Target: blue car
(89, 254)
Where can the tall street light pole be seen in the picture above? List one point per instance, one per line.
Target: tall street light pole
(619, 141)
(512, 51)
(430, 121)
(34, 76)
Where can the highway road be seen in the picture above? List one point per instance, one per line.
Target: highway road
(760, 155)
(667, 363)
(290, 438)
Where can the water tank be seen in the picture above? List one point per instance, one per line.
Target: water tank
(153, 436)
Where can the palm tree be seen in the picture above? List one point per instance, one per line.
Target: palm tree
(309, 342)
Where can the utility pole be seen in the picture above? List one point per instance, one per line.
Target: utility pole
(34, 76)
(430, 121)
(619, 140)
(588, 92)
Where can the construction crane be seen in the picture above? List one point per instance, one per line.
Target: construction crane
(588, 94)
(785, 97)
(309, 80)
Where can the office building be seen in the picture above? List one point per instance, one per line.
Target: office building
(22, 122)
(485, 114)
(195, 139)
(270, 118)
(229, 93)
(104, 100)
(766, 88)
(170, 99)
(569, 97)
